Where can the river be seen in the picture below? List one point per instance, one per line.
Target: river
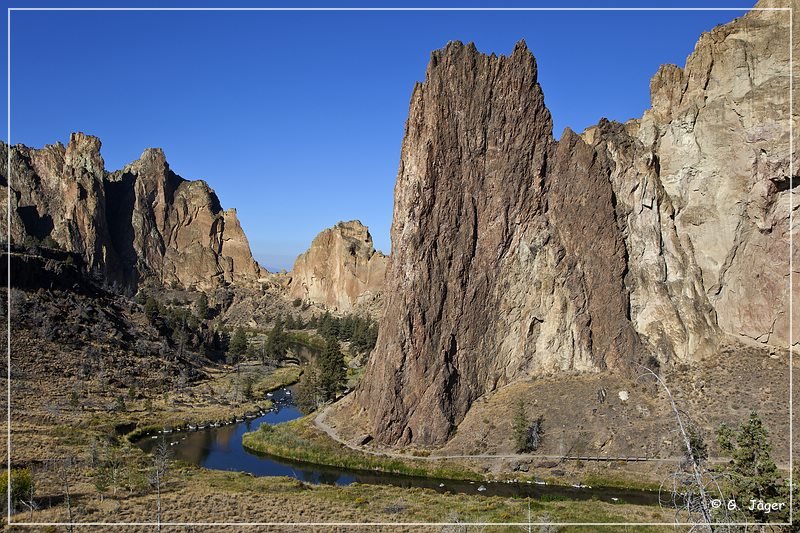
(220, 448)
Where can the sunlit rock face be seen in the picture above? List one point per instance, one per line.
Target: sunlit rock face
(340, 270)
(514, 255)
(141, 222)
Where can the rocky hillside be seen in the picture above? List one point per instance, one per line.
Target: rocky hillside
(515, 255)
(66, 327)
(141, 222)
(341, 270)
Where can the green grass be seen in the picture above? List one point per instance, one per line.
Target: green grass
(280, 377)
(621, 481)
(298, 440)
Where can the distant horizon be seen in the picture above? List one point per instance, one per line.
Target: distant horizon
(296, 118)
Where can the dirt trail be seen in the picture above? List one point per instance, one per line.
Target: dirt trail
(320, 423)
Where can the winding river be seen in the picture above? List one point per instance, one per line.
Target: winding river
(220, 448)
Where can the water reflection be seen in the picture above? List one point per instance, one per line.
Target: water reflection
(220, 448)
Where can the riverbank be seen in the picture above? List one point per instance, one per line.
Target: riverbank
(198, 406)
(302, 440)
(236, 498)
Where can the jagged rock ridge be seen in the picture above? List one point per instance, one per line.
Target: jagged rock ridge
(514, 255)
(141, 222)
(340, 270)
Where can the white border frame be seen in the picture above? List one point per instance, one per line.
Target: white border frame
(400, 524)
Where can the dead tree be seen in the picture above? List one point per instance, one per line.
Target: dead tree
(690, 488)
(29, 498)
(159, 472)
(63, 468)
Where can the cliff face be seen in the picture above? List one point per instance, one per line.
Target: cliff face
(341, 269)
(514, 255)
(140, 222)
(720, 129)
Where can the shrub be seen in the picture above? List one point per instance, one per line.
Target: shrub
(527, 435)
(119, 404)
(22, 487)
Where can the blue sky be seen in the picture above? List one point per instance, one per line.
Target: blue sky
(296, 118)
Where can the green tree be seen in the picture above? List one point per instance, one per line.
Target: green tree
(328, 325)
(698, 445)
(725, 437)
(238, 344)
(22, 487)
(331, 368)
(101, 480)
(201, 306)
(74, 400)
(519, 426)
(755, 475)
(247, 387)
(277, 342)
(528, 434)
(151, 309)
(309, 393)
(119, 405)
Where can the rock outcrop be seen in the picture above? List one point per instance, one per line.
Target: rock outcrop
(514, 255)
(720, 130)
(341, 270)
(141, 222)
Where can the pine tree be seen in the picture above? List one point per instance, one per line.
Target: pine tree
(725, 437)
(276, 344)
(520, 428)
(346, 327)
(151, 309)
(755, 475)
(309, 393)
(201, 306)
(238, 344)
(331, 367)
(698, 445)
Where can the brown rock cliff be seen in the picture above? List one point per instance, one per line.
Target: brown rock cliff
(141, 222)
(514, 255)
(340, 270)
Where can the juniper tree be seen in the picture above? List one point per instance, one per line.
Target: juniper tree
(151, 308)
(520, 427)
(755, 475)
(276, 344)
(201, 306)
(238, 344)
(331, 368)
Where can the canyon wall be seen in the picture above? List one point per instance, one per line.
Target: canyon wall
(340, 270)
(141, 222)
(515, 255)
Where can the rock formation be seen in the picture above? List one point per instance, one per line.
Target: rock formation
(515, 255)
(341, 269)
(141, 222)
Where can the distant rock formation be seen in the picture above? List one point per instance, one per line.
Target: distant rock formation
(141, 222)
(340, 270)
(515, 255)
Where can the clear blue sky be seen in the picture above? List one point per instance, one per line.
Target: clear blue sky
(296, 118)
